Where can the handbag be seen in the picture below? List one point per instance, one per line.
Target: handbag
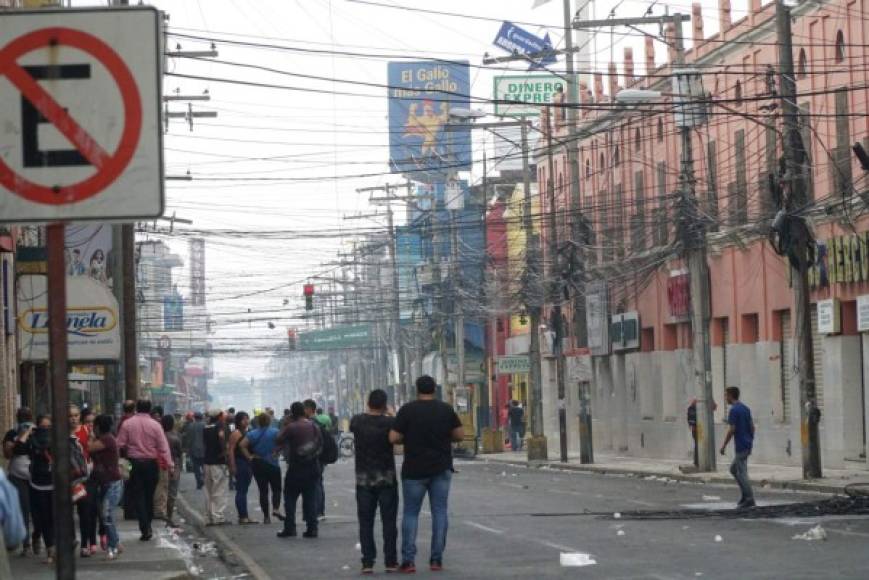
(79, 492)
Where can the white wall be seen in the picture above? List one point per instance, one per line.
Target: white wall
(639, 401)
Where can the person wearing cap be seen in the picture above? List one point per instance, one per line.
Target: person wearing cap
(216, 473)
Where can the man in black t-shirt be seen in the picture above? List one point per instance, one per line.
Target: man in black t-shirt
(376, 483)
(427, 428)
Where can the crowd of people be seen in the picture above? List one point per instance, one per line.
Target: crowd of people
(138, 462)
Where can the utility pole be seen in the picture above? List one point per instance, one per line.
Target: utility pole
(694, 240)
(693, 233)
(128, 291)
(555, 293)
(537, 446)
(395, 334)
(586, 444)
(454, 189)
(794, 180)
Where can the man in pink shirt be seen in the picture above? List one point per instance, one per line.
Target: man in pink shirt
(142, 441)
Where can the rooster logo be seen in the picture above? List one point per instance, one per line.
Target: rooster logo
(427, 126)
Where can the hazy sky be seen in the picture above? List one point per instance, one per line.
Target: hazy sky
(268, 163)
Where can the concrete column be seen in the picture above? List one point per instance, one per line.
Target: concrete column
(602, 407)
(724, 18)
(865, 362)
(842, 414)
(649, 56)
(696, 24)
(629, 66)
(621, 410)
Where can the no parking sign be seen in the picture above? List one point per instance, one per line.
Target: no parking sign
(80, 133)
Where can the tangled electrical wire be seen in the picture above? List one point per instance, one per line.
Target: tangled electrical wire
(855, 502)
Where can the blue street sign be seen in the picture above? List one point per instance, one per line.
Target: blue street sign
(519, 41)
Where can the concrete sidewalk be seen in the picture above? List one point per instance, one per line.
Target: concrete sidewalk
(173, 554)
(762, 475)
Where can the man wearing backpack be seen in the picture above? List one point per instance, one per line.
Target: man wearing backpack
(327, 456)
(302, 443)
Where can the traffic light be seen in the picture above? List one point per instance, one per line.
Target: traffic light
(309, 296)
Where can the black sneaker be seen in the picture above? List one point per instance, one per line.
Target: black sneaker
(407, 568)
(310, 534)
(744, 505)
(367, 568)
(436, 566)
(287, 534)
(391, 568)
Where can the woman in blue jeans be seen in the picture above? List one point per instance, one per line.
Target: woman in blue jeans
(104, 453)
(239, 467)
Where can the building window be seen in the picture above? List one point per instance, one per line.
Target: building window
(588, 167)
(840, 169)
(638, 140)
(802, 64)
(660, 130)
(840, 46)
(616, 157)
(737, 91)
(602, 167)
(712, 183)
(739, 202)
(638, 228)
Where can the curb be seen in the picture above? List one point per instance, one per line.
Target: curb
(803, 486)
(229, 552)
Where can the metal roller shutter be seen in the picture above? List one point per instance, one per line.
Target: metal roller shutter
(787, 364)
(818, 351)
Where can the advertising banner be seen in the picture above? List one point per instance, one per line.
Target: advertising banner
(92, 319)
(88, 249)
(528, 92)
(597, 318)
(421, 95)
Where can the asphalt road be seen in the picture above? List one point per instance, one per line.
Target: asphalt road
(516, 522)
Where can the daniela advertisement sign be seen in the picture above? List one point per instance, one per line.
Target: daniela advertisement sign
(92, 319)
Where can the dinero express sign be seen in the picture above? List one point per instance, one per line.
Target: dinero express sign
(525, 93)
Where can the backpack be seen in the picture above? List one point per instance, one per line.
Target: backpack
(308, 452)
(329, 450)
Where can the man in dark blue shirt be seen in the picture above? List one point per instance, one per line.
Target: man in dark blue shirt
(742, 432)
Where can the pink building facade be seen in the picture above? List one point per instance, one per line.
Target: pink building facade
(628, 181)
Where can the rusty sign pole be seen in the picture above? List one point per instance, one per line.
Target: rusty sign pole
(64, 527)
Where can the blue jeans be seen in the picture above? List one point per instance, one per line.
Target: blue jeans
(739, 471)
(110, 497)
(243, 476)
(516, 438)
(414, 490)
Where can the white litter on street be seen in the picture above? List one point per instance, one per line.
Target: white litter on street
(814, 534)
(711, 498)
(617, 515)
(719, 538)
(620, 533)
(576, 560)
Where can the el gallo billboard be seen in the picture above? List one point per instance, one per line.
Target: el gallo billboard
(421, 96)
